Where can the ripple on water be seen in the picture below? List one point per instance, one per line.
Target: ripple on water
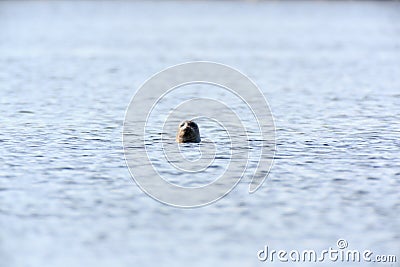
(64, 185)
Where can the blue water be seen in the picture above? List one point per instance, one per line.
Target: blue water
(331, 74)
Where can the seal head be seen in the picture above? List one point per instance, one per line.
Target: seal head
(188, 132)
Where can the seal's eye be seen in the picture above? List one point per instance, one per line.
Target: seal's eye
(182, 124)
(192, 124)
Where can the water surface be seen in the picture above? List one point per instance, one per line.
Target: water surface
(330, 71)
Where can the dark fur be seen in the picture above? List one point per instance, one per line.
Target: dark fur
(188, 132)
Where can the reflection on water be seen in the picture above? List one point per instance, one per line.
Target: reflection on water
(68, 70)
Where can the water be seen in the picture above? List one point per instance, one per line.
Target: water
(330, 71)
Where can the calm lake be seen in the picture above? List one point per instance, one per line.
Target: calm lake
(68, 70)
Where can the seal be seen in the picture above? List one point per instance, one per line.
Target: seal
(188, 132)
